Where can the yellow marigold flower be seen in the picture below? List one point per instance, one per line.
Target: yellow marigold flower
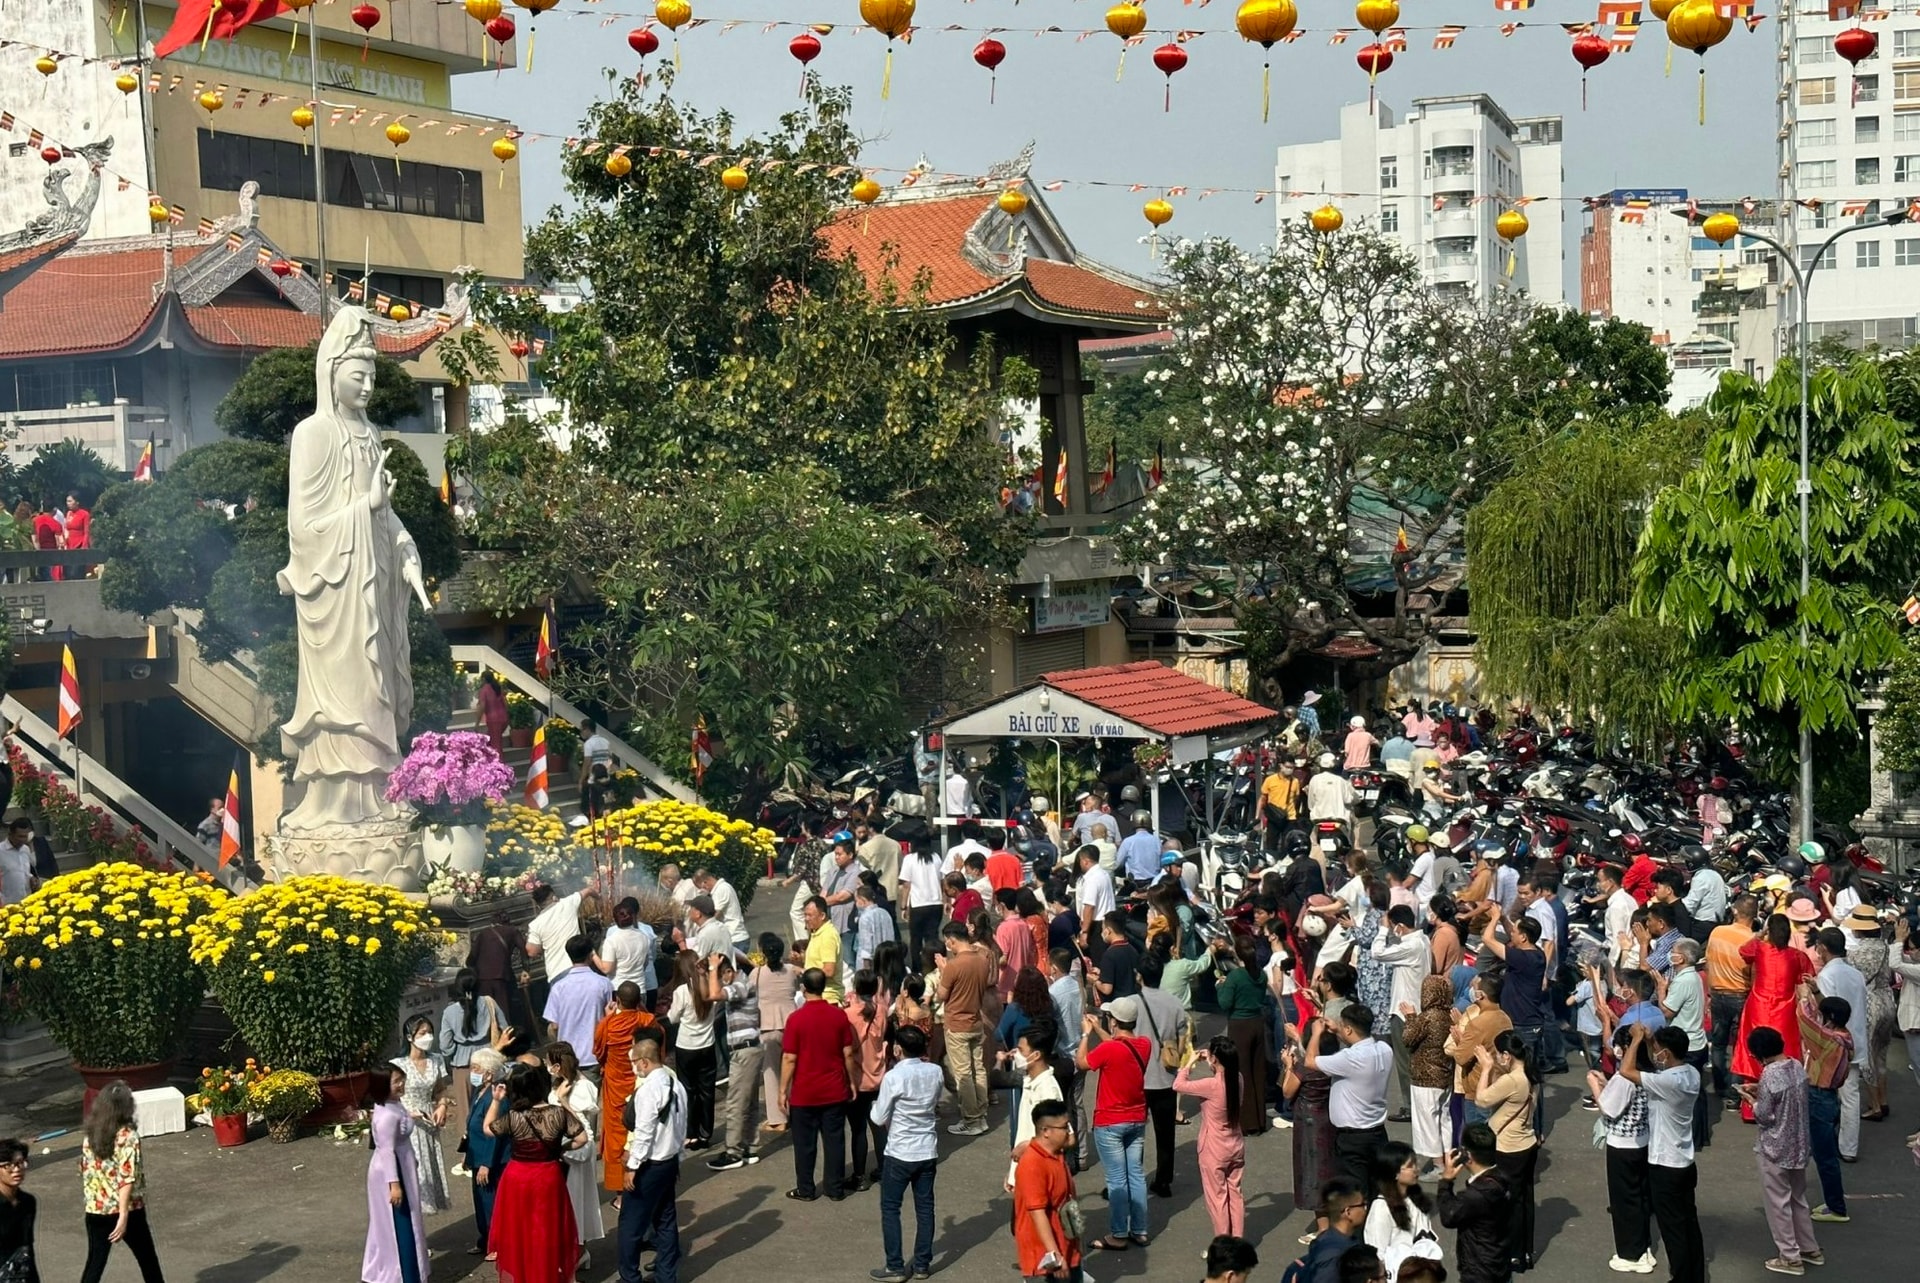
(267, 976)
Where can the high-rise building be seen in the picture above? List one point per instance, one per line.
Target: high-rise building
(402, 210)
(1850, 152)
(1436, 182)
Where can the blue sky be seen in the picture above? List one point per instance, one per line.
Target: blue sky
(1640, 129)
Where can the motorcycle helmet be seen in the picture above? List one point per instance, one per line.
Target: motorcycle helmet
(1489, 849)
(1692, 854)
(1039, 804)
(1417, 833)
(1632, 844)
(1131, 793)
(1718, 783)
(1326, 761)
(1792, 865)
(1295, 843)
(1022, 839)
(1143, 819)
(1813, 853)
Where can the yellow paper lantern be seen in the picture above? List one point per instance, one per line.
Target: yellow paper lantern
(619, 164)
(1326, 219)
(1265, 23)
(505, 149)
(536, 7)
(892, 19)
(211, 100)
(483, 10)
(1377, 15)
(734, 178)
(866, 191)
(1661, 8)
(1127, 20)
(1511, 225)
(1720, 228)
(1699, 26)
(1157, 211)
(673, 14)
(398, 134)
(46, 64)
(1012, 202)
(126, 82)
(157, 213)
(399, 311)
(302, 116)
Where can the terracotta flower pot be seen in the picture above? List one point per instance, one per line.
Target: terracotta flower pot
(137, 1077)
(230, 1130)
(340, 1098)
(520, 736)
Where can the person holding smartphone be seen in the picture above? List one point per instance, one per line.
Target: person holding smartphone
(1046, 1216)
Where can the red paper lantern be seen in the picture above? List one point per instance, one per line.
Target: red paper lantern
(1589, 50)
(281, 268)
(805, 47)
(519, 348)
(643, 41)
(500, 29)
(1169, 58)
(990, 53)
(1856, 44)
(50, 154)
(365, 17)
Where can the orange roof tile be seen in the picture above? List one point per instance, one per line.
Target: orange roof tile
(924, 234)
(1080, 289)
(1152, 695)
(259, 324)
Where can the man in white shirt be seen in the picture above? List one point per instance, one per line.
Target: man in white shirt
(626, 950)
(909, 1094)
(1409, 957)
(1672, 1178)
(654, 1145)
(1329, 796)
(957, 793)
(595, 749)
(680, 889)
(16, 863)
(726, 906)
(1095, 896)
(557, 922)
(969, 844)
(709, 935)
(1357, 1105)
(1619, 917)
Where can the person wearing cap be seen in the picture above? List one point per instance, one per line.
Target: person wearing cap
(709, 935)
(1308, 715)
(1119, 1116)
(1329, 795)
(1839, 978)
(1360, 744)
(1867, 950)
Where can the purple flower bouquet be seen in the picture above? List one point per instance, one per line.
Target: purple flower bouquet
(450, 778)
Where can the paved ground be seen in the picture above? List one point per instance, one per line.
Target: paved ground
(292, 1213)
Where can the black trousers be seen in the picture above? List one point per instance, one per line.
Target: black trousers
(1674, 1209)
(1629, 1203)
(138, 1238)
(1353, 1151)
(1726, 1007)
(923, 933)
(1079, 1155)
(1702, 1115)
(1161, 1103)
(812, 1125)
(1517, 1170)
(860, 1129)
(699, 1070)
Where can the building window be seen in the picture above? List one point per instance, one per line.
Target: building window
(427, 291)
(1906, 44)
(1813, 49)
(1906, 252)
(1389, 173)
(1817, 133)
(1866, 253)
(1866, 89)
(55, 385)
(1817, 92)
(356, 181)
(1827, 260)
(1390, 219)
(1866, 129)
(1906, 129)
(1906, 86)
(1817, 218)
(1812, 174)
(1866, 169)
(1906, 169)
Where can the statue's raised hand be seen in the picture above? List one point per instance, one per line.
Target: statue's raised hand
(380, 485)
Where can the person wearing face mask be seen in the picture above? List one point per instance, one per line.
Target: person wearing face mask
(425, 1099)
(485, 1153)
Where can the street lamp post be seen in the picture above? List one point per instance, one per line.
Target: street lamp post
(1802, 279)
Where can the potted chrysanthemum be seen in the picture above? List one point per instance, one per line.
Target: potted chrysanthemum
(449, 780)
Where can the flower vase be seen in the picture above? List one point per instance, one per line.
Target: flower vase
(520, 736)
(230, 1130)
(282, 1130)
(461, 848)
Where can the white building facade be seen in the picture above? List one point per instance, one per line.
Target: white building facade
(1435, 182)
(1850, 139)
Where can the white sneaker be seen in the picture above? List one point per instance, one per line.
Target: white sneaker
(1646, 1261)
(1621, 1265)
(1282, 1124)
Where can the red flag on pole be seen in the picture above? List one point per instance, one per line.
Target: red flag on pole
(1158, 472)
(230, 817)
(537, 771)
(543, 653)
(143, 470)
(69, 693)
(199, 20)
(1106, 474)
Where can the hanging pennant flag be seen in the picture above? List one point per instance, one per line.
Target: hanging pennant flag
(1444, 38)
(543, 649)
(1623, 34)
(143, 470)
(536, 793)
(702, 756)
(69, 693)
(1840, 10)
(1912, 610)
(1513, 5)
(1618, 13)
(1106, 474)
(1400, 544)
(1158, 472)
(230, 816)
(446, 485)
(1060, 480)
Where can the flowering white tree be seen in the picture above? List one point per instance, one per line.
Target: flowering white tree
(1324, 370)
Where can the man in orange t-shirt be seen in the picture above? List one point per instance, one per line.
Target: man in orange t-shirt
(1729, 977)
(1041, 1187)
(1004, 870)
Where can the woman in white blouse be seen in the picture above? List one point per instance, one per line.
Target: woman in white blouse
(1398, 1224)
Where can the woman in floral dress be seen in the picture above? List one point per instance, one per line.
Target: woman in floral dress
(425, 1100)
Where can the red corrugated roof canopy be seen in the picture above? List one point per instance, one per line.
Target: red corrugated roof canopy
(1160, 699)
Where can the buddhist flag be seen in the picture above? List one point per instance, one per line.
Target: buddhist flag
(1060, 480)
(143, 470)
(1400, 543)
(446, 485)
(543, 652)
(230, 817)
(702, 751)
(537, 771)
(1158, 472)
(69, 693)
(1106, 474)
(1912, 610)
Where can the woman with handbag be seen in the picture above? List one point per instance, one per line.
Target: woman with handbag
(18, 1211)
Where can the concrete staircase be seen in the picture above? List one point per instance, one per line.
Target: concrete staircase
(26, 1046)
(563, 787)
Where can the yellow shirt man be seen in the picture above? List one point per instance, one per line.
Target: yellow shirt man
(1282, 793)
(823, 951)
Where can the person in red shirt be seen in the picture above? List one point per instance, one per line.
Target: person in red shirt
(962, 899)
(79, 524)
(817, 1076)
(1041, 1187)
(49, 532)
(1638, 881)
(1120, 1117)
(1014, 938)
(1004, 869)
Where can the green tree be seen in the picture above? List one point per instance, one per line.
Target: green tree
(1550, 554)
(1129, 410)
(1720, 559)
(65, 468)
(738, 378)
(277, 390)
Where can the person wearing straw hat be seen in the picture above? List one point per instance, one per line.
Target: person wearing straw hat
(1868, 951)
